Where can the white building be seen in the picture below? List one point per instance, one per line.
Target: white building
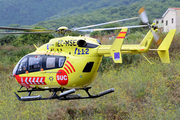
(160, 23)
(170, 20)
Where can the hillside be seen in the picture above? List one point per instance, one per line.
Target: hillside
(142, 91)
(154, 9)
(28, 12)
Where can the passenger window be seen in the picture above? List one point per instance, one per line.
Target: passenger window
(50, 63)
(23, 66)
(61, 61)
(35, 63)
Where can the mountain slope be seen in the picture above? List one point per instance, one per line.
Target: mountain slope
(29, 12)
(153, 9)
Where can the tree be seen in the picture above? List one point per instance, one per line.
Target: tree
(33, 38)
(7, 39)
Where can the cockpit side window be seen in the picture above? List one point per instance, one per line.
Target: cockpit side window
(35, 63)
(61, 61)
(23, 66)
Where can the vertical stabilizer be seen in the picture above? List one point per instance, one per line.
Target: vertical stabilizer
(115, 49)
(164, 47)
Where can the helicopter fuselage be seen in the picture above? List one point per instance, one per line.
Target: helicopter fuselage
(67, 62)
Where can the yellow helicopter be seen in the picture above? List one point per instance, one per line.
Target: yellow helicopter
(69, 63)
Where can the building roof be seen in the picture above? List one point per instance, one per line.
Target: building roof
(169, 10)
(159, 19)
(175, 8)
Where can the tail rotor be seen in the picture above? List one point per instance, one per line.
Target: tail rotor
(153, 28)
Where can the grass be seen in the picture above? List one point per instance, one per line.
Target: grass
(142, 91)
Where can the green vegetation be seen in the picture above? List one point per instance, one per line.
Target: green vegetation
(142, 91)
(154, 9)
(7, 39)
(31, 12)
(26, 39)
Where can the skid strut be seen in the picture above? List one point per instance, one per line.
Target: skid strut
(64, 95)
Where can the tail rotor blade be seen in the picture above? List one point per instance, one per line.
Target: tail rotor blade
(145, 20)
(143, 15)
(157, 39)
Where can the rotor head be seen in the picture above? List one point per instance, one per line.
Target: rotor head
(63, 30)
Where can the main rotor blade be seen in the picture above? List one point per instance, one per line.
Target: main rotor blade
(25, 29)
(25, 32)
(105, 23)
(115, 28)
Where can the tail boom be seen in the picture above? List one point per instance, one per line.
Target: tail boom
(116, 49)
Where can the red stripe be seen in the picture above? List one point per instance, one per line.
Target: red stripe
(66, 70)
(71, 65)
(27, 83)
(120, 37)
(122, 32)
(69, 68)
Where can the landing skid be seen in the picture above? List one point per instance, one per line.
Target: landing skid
(64, 95)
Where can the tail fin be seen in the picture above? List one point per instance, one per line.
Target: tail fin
(163, 49)
(146, 42)
(115, 49)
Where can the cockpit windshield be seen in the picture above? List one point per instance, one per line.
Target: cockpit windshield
(20, 66)
(23, 66)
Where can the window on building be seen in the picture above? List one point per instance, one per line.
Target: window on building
(162, 21)
(166, 22)
(157, 22)
(172, 20)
